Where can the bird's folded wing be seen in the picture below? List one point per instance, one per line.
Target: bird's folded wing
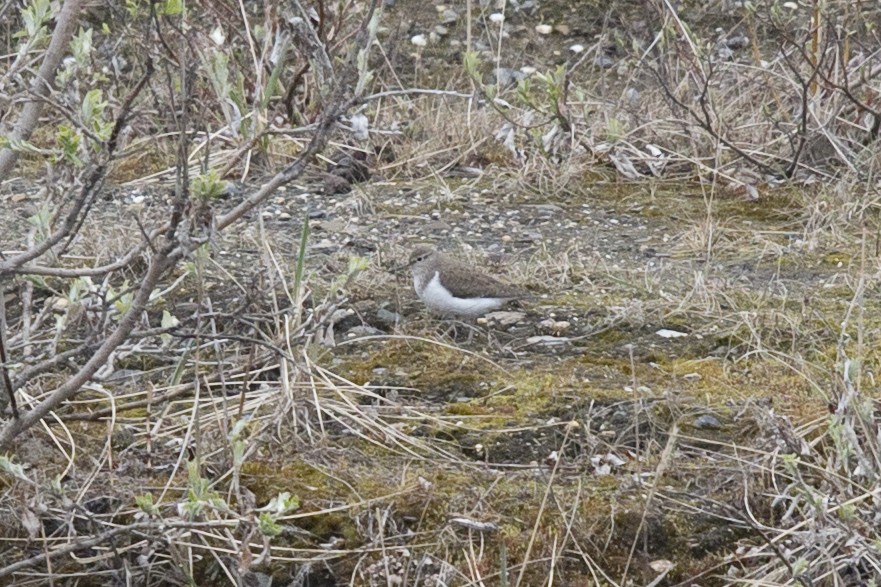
(483, 286)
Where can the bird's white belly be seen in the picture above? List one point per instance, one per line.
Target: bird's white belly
(438, 299)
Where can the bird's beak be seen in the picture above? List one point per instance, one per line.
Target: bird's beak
(400, 268)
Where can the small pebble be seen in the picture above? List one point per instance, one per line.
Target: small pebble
(707, 422)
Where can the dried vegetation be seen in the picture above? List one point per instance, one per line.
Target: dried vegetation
(211, 374)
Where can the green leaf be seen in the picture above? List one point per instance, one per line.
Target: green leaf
(68, 140)
(268, 526)
(173, 7)
(92, 106)
(13, 469)
(34, 17)
(168, 321)
(208, 186)
(81, 47)
(145, 503)
(472, 63)
(124, 301)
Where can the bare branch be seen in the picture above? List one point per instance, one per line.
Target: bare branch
(30, 114)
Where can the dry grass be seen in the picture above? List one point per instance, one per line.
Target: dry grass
(263, 436)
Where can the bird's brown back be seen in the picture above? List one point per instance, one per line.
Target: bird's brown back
(466, 281)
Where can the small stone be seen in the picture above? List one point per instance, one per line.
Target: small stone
(334, 184)
(707, 421)
(546, 209)
(122, 438)
(667, 333)
(57, 304)
(614, 460)
(563, 29)
(449, 16)
(632, 96)
(505, 76)
(231, 189)
(603, 61)
(360, 127)
(505, 318)
(555, 327)
(661, 566)
(362, 331)
(388, 317)
(419, 40)
(738, 42)
(560, 326)
(544, 29)
(577, 48)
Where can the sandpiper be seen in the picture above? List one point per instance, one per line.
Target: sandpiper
(454, 289)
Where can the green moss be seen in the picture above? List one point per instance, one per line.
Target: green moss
(836, 258)
(467, 409)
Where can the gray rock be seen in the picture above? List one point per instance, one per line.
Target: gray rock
(737, 42)
(707, 422)
(505, 77)
(505, 318)
(603, 62)
(388, 317)
(362, 330)
(449, 16)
